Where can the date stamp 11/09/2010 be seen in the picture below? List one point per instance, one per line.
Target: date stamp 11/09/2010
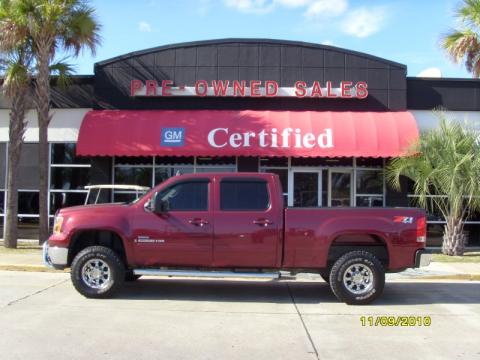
(404, 321)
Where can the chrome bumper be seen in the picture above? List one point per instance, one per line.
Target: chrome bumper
(55, 257)
(422, 258)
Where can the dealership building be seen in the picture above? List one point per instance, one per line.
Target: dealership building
(326, 120)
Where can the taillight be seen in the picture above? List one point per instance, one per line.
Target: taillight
(421, 229)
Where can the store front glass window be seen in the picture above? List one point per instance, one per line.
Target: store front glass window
(216, 164)
(28, 185)
(69, 174)
(151, 171)
(369, 191)
(3, 173)
(279, 166)
(309, 182)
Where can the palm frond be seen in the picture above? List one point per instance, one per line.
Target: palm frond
(63, 71)
(447, 166)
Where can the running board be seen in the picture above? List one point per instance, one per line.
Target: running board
(214, 274)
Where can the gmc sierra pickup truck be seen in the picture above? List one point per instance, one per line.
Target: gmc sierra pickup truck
(234, 225)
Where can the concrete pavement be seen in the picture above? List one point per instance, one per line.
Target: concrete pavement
(43, 317)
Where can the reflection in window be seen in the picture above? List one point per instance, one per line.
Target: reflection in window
(65, 153)
(243, 195)
(370, 162)
(64, 199)
(3, 164)
(369, 188)
(124, 196)
(134, 160)
(174, 160)
(370, 201)
(28, 227)
(369, 182)
(28, 202)
(164, 173)
(274, 162)
(28, 168)
(69, 178)
(218, 160)
(186, 196)
(133, 176)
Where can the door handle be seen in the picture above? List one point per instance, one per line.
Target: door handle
(198, 222)
(263, 222)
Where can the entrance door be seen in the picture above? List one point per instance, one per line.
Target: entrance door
(306, 188)
(340, 192)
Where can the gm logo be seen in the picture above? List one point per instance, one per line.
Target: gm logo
(173, 137)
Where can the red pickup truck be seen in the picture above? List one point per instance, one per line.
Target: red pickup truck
(234, 225)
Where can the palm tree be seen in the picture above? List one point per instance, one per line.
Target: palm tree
(463, 44)
(16, 60)
(53, 25)
(445, 168)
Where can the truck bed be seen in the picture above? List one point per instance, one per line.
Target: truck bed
(309, 233)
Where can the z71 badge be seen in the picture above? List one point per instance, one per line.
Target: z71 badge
(403, 219)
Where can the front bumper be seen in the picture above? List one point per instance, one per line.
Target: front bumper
(54, 256)
(423, 257)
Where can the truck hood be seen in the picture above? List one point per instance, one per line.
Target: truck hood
(97, 208)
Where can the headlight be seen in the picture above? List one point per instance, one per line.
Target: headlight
(57, 225)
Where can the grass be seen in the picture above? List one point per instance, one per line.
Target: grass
(468, 257)
(22, 248)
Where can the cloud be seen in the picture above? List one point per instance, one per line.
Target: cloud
(432, 72)
(293, 3)
(265, 6)
(363, 22)
(325, 8)
(250, 6)
(359, 22)
(204, 7)
(143, 26)
(327, 42)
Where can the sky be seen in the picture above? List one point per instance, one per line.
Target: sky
(405, 31)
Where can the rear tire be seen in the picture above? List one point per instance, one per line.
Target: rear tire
(357, 278)
(97, 272)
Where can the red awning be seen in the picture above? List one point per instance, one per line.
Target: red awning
(246, 133)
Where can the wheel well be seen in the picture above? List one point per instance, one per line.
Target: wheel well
(351, 242)
(86, 238)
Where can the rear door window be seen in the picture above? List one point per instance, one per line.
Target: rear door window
(244, 195)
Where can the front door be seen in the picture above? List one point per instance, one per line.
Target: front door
(181, 236)
(247, 227)
(340, 192)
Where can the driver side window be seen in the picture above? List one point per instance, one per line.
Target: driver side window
(186, 196)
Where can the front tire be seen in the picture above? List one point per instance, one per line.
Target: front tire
(357, 278)
(97, 272)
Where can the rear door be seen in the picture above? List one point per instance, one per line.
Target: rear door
(246, 224)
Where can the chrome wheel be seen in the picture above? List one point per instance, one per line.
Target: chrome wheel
(96, 274)
(358, 279)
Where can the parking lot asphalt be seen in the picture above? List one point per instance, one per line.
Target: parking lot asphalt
(43, 317)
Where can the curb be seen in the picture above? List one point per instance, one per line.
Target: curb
(31, 268)
(469, 277)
